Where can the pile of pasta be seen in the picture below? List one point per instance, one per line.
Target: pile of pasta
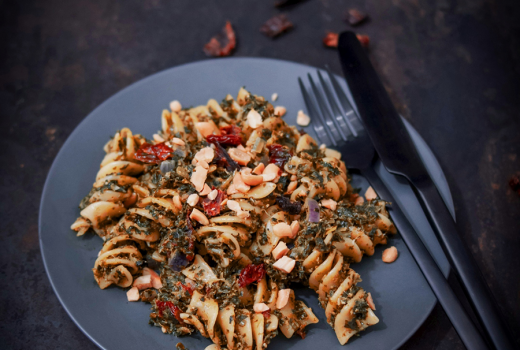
(215, 218)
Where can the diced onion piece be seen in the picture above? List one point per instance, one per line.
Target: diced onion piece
(313, 211)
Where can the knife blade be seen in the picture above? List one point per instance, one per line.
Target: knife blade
(399, 156)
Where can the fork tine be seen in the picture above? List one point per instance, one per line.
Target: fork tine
(321, 110)
(335, 113)
(314, 112)
(344, 104)
(318, 127)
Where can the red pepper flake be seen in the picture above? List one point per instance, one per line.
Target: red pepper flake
(514, 183)
(251, 273)
(279, 155)
(222, 44)
(355, 17)
(331, 39)
(267, 313)
(225, 140)
(212, 207)
(161, 307)
(276, 26)
(153, 154)
(186, 288)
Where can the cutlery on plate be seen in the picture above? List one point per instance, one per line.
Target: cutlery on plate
(334, 119)
(399, 156)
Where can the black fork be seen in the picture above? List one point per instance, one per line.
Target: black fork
(337, 125)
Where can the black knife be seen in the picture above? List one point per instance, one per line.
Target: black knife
(399, 156)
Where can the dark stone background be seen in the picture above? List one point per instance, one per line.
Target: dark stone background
(452, 68)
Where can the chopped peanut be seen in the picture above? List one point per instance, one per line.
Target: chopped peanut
(280, 111)
(329, 203)
(207, 128)
(389, 255)
(133, 294)
(198, 178)
(239, 156)
(370, 194)
(259, 169)
(239, 184)
(178, 141)
(254, 119)
(295, 227)
(205, 191)
(212, 195)
(282, 229)
(270, 172)
(143, 282)
(274, 97)
(206, 154)
(199, 216)
(249, 179)
(283, 298)
(303, 119)
(260, 307)
(285, 264)
(280, 250)
(193, 199)
(235, 206)
(359, 201)
(175, 106)
(291, 187)
(158, 138)
(156, 280)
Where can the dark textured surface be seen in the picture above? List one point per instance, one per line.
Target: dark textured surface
(452, 67)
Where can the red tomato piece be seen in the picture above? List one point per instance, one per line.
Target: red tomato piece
(251, 273)
(153, 154)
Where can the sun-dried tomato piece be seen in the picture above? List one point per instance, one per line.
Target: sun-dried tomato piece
(355, 17)
(222, 44)
(153, 154)
(276, 25)
(293, 208)
(225, 140)
(363, 39)
(331, 39)
(278, 155)
(251, 273)
(223, 159)
(212, 207)
(162, 305)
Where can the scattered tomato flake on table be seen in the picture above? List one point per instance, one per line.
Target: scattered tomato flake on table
(276, 25)
(221, 44)
(331, 39)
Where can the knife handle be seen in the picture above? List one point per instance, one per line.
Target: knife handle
(464, 265)
(460, 320)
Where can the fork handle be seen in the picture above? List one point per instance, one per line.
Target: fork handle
(464, 265)
(460, 320)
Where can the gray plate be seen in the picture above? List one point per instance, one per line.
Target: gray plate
(401, 294)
